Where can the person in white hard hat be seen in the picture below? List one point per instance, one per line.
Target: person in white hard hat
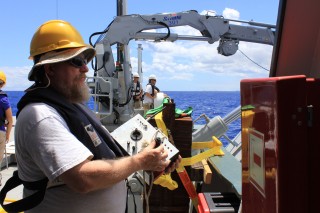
(137, 91)
(150, 93)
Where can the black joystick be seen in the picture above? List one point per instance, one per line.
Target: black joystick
(158, 142)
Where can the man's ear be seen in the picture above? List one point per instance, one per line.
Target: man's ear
(49, 69)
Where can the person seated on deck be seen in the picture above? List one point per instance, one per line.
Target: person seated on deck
(59, 139)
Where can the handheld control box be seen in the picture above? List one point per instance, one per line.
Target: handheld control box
(137, 133)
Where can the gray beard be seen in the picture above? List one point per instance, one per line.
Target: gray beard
(75, 94)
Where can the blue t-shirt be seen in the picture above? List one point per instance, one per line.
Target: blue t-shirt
(4, 105)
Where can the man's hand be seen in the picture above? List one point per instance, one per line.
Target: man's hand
(174, 165)
(153, 158)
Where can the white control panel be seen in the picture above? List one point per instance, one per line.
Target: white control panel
(137, 133)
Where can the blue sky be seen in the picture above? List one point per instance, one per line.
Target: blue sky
(179, 66)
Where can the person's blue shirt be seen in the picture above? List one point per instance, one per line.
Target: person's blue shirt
(4, 105)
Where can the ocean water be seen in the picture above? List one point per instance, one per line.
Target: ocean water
(210, 103)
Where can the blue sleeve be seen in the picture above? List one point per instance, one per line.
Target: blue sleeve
(4, 103)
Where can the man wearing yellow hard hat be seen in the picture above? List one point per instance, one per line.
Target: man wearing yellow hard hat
(61, 143)
(5, 118)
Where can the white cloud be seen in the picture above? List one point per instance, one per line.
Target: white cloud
(179, 59)
(17, 78)
(183, 76)
(231, 13)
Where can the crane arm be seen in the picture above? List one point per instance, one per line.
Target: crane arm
(212, 29)
(112, 84)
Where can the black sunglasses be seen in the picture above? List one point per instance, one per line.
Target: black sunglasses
(78, 62)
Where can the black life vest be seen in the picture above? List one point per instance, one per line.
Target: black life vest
(80, 120)
(3, 113)
(136, 91)
(154, 87)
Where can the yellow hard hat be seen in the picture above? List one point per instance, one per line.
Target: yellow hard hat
(57, 41)
(54, 35)
(3, 76)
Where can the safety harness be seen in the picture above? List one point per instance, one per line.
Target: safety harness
(136, 91)
(81, 121)
(154, 87)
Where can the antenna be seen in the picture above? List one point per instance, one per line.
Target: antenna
(57, 9)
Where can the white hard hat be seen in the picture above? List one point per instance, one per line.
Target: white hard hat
(152, 77)
(136, 75)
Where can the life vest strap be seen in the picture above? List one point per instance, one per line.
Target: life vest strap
(27, 202)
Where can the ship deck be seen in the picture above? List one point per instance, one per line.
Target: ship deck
(7, 167)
